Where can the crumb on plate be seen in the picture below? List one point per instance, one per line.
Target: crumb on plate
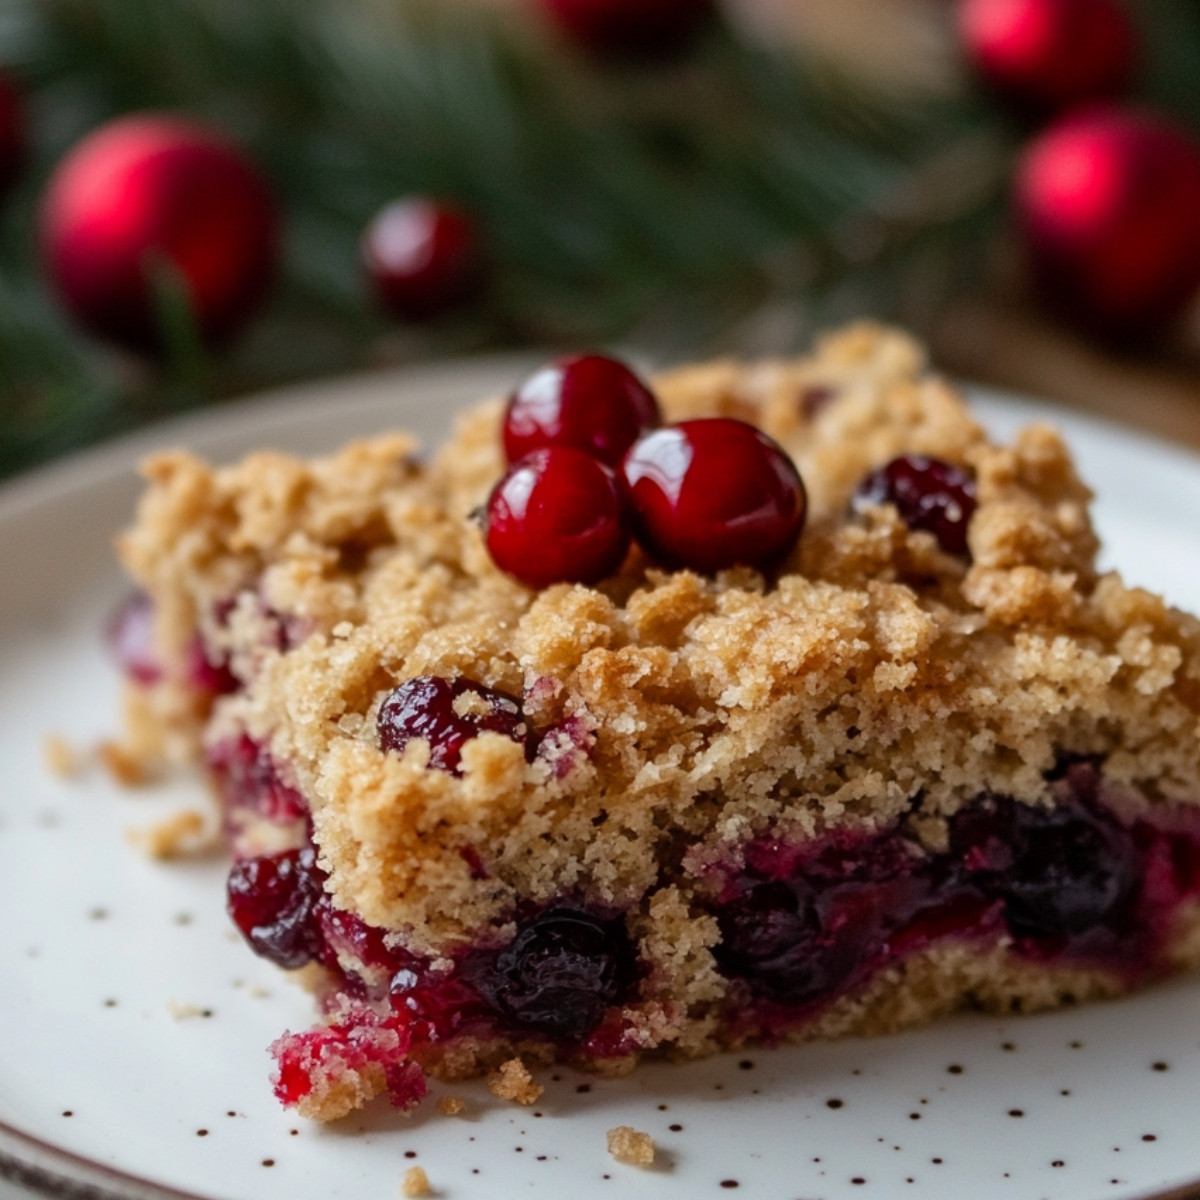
(512, 1081)
(450, 1106)
(629, 1145)
(416, 1183)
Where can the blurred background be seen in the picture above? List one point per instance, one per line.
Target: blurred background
(201, 198)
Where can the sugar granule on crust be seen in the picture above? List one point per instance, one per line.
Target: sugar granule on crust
(629, 1145)
(512, 1081)
(416, 1183)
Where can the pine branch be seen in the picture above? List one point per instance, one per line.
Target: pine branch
(663, 205)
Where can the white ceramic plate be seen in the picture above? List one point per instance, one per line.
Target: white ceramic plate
(105, 1086)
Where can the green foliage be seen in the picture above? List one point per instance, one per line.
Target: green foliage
(664, 205)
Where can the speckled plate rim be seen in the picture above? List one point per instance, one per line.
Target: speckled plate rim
(43, 1168)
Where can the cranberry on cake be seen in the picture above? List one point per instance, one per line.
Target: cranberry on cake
(771, 702)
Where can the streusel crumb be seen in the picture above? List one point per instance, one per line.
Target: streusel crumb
(512, 1081)
(451, 1106)
(629, 1145)
(180, 835)
(416, 1183)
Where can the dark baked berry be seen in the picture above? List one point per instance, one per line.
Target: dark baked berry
(557, 517)
(1059, 871)
(130, 637)
(422, 256)
(770, 935)
(559, 974)
(447, 713)
(593, 403)
(275, 900)
(714, 493)
(929, 494)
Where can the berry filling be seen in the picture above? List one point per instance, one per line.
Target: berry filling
(800, 924)
(929, 494)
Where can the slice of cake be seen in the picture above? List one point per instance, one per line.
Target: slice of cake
(620, 728)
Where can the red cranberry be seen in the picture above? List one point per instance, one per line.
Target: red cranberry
(714, 493)
(559, 974)
(593, 403)
(425, 708)
(1059, 871)
(929, 494)
(422, 256)
(557, 517)
(130, 637)
(275, 901)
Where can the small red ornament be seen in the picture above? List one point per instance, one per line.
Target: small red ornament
(423, 257)
(1108, 203)
(629, 28)
(151, 192)
(12, 134)
(1044, 56)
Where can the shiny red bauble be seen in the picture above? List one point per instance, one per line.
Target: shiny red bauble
(12, 134)
(714, 493)
(629, 28)
(1044, 56)
(588, 401)
(423, 257)
(1107, 202)
(557, 517)
(148, 203)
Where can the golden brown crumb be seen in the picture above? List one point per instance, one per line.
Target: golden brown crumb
(416, 1182)
(185, 1012)
(61, 758)
(177, 836)
(450, 1106)
(512, 1081)
(127, 768)
(629, 1145)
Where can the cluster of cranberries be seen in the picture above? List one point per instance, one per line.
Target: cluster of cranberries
(1065, 880)
(591, 468)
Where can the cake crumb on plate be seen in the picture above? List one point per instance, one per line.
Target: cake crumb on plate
(629, 1145)
(450, 1106)
(416, 1183)
(176, 836)
(512, 1081)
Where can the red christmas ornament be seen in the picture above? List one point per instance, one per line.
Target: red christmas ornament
(12, 134)
(629, 28)
(1108, 203)
(146, 193)
(423, 257)
(1046, 55)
